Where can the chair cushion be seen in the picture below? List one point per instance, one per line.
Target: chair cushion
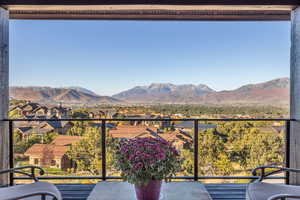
(15, 192)
(262, 191)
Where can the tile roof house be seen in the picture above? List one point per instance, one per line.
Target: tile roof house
(52, 155)
(129, 131)
(179, 138)
(66, 140)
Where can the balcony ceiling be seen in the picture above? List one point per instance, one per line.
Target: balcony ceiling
(151, 10)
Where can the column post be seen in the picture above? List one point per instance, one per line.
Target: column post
(295, 96)
(4, 98)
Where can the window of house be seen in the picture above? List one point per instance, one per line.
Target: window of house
(53, 162)
(36, 161)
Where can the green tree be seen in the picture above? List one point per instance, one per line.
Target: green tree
(49, 137)
(87, 152)
(264, 148)
(211, 147)
(78, 128)
(224, 165)
(22, 146)
(188, 162)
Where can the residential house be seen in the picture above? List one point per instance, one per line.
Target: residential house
(111, 113)
(26, 132)
(60, 112)
(27, 108)
(41, 111)
(97, 114)
(30, 106)
(40, 128)
(53, 155)
(145, 122)
(180, 139)
(60, 127)
(36, 110)
(129, 131)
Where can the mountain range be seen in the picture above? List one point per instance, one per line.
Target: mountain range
(71, 95)
(267, 93)
(271, 92)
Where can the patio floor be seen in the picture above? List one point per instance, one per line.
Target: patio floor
(217, 191)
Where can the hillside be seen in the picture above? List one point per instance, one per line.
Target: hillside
(64, 95)
(271, 92)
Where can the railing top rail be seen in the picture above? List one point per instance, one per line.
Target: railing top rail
(175, 177)
(153, 119)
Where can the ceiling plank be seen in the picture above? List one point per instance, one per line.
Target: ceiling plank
(150, 2)
(207, 15)
(203, 10)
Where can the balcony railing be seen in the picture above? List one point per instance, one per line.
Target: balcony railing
(195, 135)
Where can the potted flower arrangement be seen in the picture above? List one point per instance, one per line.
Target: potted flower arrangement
(145, 162)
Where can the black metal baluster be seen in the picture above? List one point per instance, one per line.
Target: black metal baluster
(287, 149)
(11, 151)
(103, 133)
(196, 132)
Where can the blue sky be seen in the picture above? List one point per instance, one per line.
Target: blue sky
(111, 56)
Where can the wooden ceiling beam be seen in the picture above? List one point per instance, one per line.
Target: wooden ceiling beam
(151, 10)
(207, 15)
(149, 2)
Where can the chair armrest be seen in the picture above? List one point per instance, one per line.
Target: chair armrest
(283, 196)
(276, 170)
(42, 194)
(22, 170)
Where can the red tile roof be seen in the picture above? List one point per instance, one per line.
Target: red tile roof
(57, 148)
(128, 131)
(66, 140)
(47, 150)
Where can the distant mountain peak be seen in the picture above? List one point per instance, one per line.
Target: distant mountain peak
(163, 92)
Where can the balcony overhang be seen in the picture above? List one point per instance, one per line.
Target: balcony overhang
(145, 10)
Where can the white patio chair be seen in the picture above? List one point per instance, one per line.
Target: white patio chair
(36, 190)
(259, 190)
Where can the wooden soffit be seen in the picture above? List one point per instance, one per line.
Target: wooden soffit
(150, 10)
